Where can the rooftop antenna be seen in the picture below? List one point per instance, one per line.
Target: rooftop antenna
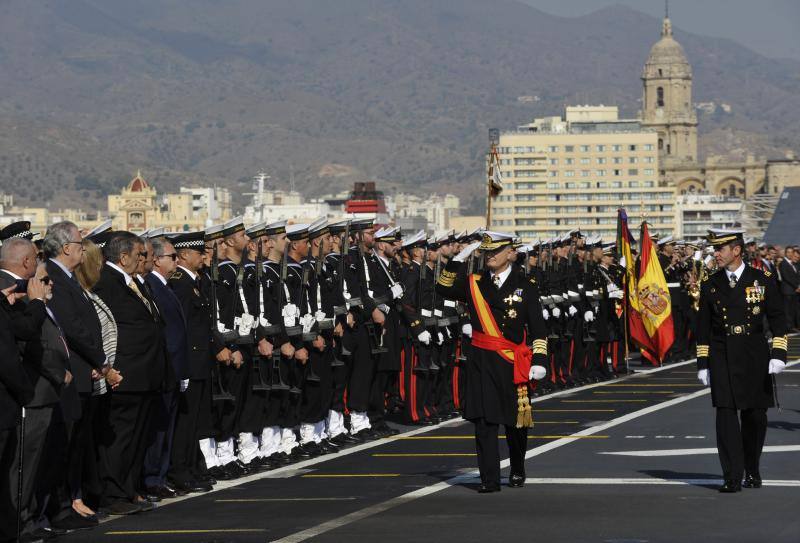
(666, 9)
(291, 177)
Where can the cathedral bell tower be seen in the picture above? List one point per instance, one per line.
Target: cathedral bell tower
(667, 102)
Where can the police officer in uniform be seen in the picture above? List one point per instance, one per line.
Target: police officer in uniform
(506, 319)
(734, 358)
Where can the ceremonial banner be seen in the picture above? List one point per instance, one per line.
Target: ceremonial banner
(653, 330)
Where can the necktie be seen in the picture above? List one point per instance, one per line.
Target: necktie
(733, 280)
(135, 288)
(496, 280)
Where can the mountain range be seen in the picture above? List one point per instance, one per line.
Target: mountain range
(401, 92)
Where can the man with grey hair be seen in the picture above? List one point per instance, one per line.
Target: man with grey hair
(80, 326)
(141, 359)
(157, 461)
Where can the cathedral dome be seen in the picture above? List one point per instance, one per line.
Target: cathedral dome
(667, 53)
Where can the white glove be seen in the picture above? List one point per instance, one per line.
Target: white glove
(397, 291)
(424, 337)
(440, 337)
(617, 294)
(588, 316)
(466, 329)
(622, 262)
(702, 376)
(545, 314)
(556, 312)
(466, 251)
(184, 384)
(776, 366)
(572, 310)
(557, 299)
(537, 373)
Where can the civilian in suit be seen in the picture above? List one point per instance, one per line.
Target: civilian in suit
(157, 461)
(16, 390)
(46, 365)
(141, 359)
(790, 286)
(72, 309)
(194, 408)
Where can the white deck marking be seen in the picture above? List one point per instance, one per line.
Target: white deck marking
(690, 452)
(372, 510)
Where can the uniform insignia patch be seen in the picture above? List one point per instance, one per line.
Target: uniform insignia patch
(511, 313)
(176, 275)
(767, 273)
(756, 310)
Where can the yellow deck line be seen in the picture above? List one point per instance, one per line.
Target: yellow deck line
(637, 392)
(642, 385)
(403, 455)
(535, 410)
(321, 475)
(500, 436)
(604, 401)
(260, 500)
(184, 532)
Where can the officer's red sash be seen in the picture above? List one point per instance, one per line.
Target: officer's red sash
(492, 340)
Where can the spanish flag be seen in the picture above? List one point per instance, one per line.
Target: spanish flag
(651, 326)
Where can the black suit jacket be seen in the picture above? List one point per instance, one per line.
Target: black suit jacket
(174, 325)
(16, 389)
(790, 278)
(199, 324)
(80, 325)
(140, 335)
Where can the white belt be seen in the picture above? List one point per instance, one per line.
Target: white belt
(449, 303)
(673, 285)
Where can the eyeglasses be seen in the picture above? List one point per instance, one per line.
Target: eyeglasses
(143, 254)
(173, 256)
(76, 242)
(45, 280)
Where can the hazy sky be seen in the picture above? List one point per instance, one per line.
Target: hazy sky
(769, 27)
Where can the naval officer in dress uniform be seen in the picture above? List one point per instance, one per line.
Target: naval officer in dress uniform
(734, 357)
(506, 320)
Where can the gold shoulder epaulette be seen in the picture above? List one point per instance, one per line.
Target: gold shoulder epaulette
(447, 278)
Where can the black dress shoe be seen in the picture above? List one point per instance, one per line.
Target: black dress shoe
(281, 459)
(751, 480)
(144, 505)
(348, 439)
(730, 487)
(152, 497)
(516, 481)
(73, 521)
(205, 478)
(122, 508)
(328, 447)
(167, 491)
(483, 488)
(309, 450)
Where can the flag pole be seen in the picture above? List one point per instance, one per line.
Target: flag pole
(494, 139)
(625, 323)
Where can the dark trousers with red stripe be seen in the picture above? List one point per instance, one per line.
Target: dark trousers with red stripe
(488, 449)
(416, 380)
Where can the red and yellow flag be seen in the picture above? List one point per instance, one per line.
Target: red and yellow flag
(651, 316)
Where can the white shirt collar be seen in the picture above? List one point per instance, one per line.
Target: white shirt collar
(12, 274)
(503, 276)
(160, 277)
(737, 272)
(190, 272)
(127, 277)
(62, 266)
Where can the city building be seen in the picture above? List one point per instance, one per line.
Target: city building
(696, 213)
(139, 207)
(434, 211)
(574, 172)
(41, 217)
(562, 173)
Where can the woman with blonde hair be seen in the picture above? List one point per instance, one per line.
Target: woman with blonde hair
(87, 274)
